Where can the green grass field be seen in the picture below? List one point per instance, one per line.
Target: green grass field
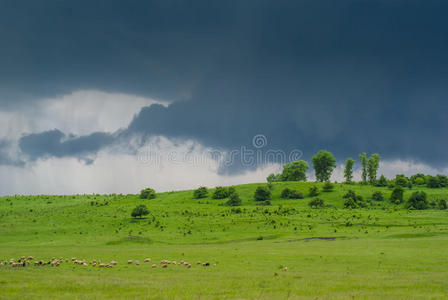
(383, 251)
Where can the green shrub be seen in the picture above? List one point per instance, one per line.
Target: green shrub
(418, 200)
(352, 200)
(274, 177)
(234, 200)
(139, 211)
(377, 196)
(316, 203)
(328, 187)
(291, 194)
(397, 195)
(147, 193)
(313, 191)
(221, 193)
(201, 192)
(401, 180)
(262, 194)
(419, 181)
(441, 204)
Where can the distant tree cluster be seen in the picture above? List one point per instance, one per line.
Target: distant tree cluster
(147, 193)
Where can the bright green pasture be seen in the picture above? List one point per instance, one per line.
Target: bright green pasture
(383, 251)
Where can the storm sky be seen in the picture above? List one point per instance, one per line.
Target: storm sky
(92, 91)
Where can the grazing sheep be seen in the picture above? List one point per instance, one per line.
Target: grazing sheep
(30, 258)
(206, 264)
(198, 263)
(129, 261)
(154, 265)
(102, 265)
(113, 263)
(147, 260)
(188, 265)
(73, 258)
(285, 269)
(137, 263)
(164, 266)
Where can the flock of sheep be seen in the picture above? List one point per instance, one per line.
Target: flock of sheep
(54, 262)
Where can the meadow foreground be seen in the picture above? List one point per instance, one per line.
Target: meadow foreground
(282, 251)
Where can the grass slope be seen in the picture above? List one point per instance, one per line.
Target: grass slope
(383, 251)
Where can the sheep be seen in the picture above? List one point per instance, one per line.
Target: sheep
(102, 265)
(147, 260)
(198, 263)
(30, 258)
(154, 266)
(164, 266)
(206, 264)
(137, 263)
(129, 261)
(285, 269)
(113, 263)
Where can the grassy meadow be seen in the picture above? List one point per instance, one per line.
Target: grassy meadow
(382, 251)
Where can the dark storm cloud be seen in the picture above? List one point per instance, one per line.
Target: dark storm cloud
(54, 143)
(349, 76)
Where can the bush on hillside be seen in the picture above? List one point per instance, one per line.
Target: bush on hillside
(377, 196)
(234, 200)
(201, 192)
(147, 193)
(382, 181)
(140, 211)
(316, 203)
(291, 194)
(262, 194)
(397, 195)
(221, 193)
(441, 204)
(353, 201)
(313, 191)
(418, 200)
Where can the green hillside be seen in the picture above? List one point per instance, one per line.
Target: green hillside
(278, 251)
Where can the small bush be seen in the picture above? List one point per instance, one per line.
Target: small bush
(139, 211)
(147, 193)
(221, 192)
(291, 194)
(418, 200)
(314, 191)
(262, 194)
(441, 204)
(234, 200)
(316, 203)
(397, 195)
(201, 192)
(353, 201)
(401, 180)
(419, 181)
(377, 196)
(328, 187)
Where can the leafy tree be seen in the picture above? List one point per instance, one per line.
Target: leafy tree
(418, 179)
(328, 187)
(348, 171)
(316, 203)
(382, 181)
(234, 200)
(352, 200)
(418, 200)
(443, 180)
(147, 193)
(373, 163)
(201, 192)
(285, 193)
(401, 180)
(262, 194)
(274, 177)
(433, 182)
(363, 159)
(324, 164)
(313, 191)
(397, 195)
(221, 193)
(295, 171)
(139, 211)
(377, 196)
